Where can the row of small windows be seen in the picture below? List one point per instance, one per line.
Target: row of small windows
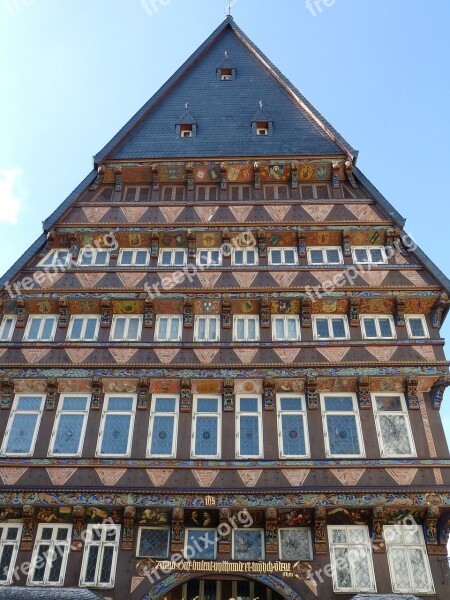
(207, 328)
(350, 552)
(340, 415)
(213, 257)
(235, 193)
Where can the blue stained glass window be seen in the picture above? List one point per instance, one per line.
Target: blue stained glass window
(248, 544)
(154, 542)
(291, 403)
(249, 435)
(73, 403)
(206, 429)
(200, 544)
(162, 435)
(207, 404)
(165, 404)
(343, 434)
(115, 434)
(120, 404)
(67, 439)
(29, 403)
(22, 433)
(293, 431)
(249, 404)
(339, 403)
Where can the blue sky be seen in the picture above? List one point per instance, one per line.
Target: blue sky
(74, 71)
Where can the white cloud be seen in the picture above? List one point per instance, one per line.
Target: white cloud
(9, 198)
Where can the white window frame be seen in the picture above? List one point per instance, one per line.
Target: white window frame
(41, 327)
(176, 417)
(407, 547)
(60, 411)
(283, 251)
(146, 528)
(102, 543)
(330, 327)
(280, 548)
(403, 413)
(217, 414)
(245, 262)
(377, 318)
(127, 318)
(263, 546)
(48, 562)
(85, 319)
(424, 324)
(172, 258)
(186, 541)
(54, 254)
(325, 260)
(169, 327)
(349, 546)
(208, 319)
(15, 543)
(14, 411)
(303, 413)
(7, 318)
(246, 320)
(285, 338)
(134, 252)
(93, 252)
(368, 249)
(243, 413)
(209, 262)
(105, 413)
(354, 412)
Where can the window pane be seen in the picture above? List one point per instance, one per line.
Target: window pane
(41, 562)
(21, 434)
(105, 573)
(203, 258)
(251, 329)
(249, 404)
(322, 328)
(91, 564)
(33, 333)
(293, 432)
(276, 257)
(120, 404)
(279, 328)
(400, 573)
(377, 255)
(5, 562)
(133, 329)
(7, 326)
(247, 545)
(343, 576)
(249, 435)
(174, 329)
(335, 403)
(316, 257)
(179, 258)
(206, 429)
(338, 328)
(119, 329)
(141, 257)
(162, 331)
(86, 258)
(394, 434)
(295, 544)
(239, 257)
(361, 255)
(154, 543)
(417, 328)
(77, 329)
(240, 329)
(343, 434)
(75, 403)
(251, 257)
(68, 436)
(370, 328)
(91, 329)
(56, 557)
(165, 404)
(115, 434)
(333, 256)
(389, 403)
(385, 328)
(200, 544)
(166, 257)
(207, 404)
(29, 403)
(127, 257)
(102, 257)
(289, 257)
(162, 435)
(212, 329)
(291, 404)
(215, 257)
(47, 332)
(292, 329)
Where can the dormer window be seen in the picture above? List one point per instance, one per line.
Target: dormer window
(226, 74)
(262, 128)
(186, 131)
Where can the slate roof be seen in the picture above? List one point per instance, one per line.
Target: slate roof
(46, 593)
(224, 110)
(384, 597)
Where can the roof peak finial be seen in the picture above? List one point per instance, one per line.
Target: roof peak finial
(186, 106)
(261, 104)
(229, 7)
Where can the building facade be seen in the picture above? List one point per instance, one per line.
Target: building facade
(221, 364)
